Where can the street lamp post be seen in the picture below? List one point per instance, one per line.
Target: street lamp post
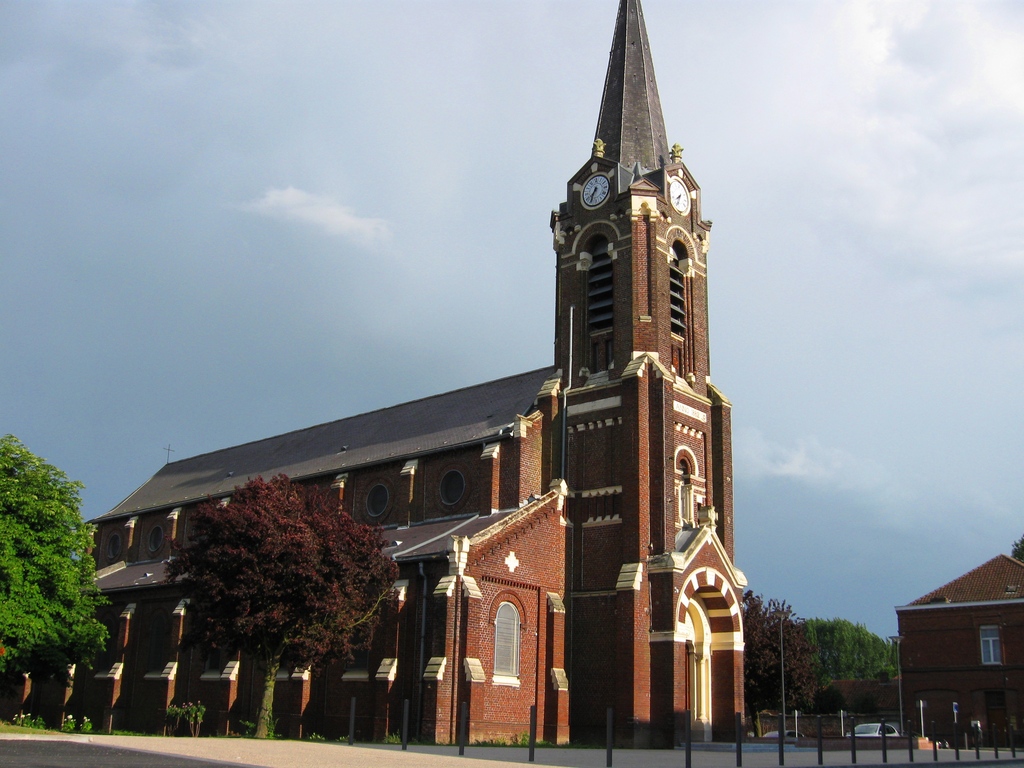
(782, 614)
(899, 674)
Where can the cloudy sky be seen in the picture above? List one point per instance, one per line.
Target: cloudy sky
(221, 221)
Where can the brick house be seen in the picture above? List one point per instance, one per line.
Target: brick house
(564, 536)
(964, 643)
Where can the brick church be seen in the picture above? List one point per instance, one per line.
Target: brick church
(564, 535)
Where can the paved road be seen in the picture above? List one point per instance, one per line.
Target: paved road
(157, 752)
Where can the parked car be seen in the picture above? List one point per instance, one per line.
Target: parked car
(874, 730)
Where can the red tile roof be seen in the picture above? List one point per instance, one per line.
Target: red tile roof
(1001, 578)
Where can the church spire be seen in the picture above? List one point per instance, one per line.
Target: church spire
(631, 124)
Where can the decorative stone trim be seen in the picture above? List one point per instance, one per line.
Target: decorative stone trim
(114, 673)
(356, 675)
(300, 674)
(339, 481)
(445, 587)
(180, 608)
(595, 405)
(474, 671)
(167, 673)
(490, 451)
(230, 673)
(435, 668)
(509, 680)
(608, 490)
(130, 525)
(681, 634)
(630, 577)
(173, 514)
(555, 604)
(595, 522)
(409, 469)
(470, 588)
(559, 680)
(129, 611)
(387, 670)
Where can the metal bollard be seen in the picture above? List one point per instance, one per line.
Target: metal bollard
(995, 742)
(739, 740)
(885, 744)
(821, 754)
(935, 745)
(405, 725)
(463, 727)
(352, 721)
(782, 739)
(609, 737)
(910, 740)
(853, 741)
(533, 730)
(688, 732)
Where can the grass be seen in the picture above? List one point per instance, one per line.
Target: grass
(8, 728)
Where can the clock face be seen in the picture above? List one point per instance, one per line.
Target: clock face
(679, 196)
(595, 190)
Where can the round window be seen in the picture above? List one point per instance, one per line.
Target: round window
(377, 500)
(453, 485)
(156, 538)
(113, 546)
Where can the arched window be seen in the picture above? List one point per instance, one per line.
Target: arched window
(506, 641)
(159, 637)
(677, 295)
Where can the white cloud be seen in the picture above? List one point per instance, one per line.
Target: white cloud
(756, 456)
(293, 204)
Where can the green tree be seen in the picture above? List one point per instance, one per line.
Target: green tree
(48, 599)
(1018, 549)
(849, 651)
(283, 575)
(762, 686)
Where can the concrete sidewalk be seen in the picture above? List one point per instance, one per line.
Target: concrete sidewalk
(289, 754)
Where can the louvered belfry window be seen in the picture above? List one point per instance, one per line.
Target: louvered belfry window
(506, 641)
(600, 297)
(677, 295)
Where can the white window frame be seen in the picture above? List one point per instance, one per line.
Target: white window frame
(991, 644)
(506, 622)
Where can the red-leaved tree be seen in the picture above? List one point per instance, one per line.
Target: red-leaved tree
(283, 575)
(762, 668)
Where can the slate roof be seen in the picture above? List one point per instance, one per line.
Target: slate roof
(480, 413)
(150, 573)
(1001, 578)
(631, 123)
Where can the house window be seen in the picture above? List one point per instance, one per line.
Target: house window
(506, 642)
(213, 662)
(991, 653)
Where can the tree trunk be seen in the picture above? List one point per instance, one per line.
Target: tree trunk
(265, 716)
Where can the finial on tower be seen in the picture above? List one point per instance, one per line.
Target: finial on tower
(598, 148)
(676, 153)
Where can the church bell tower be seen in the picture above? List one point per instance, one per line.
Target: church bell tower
(647, 437)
